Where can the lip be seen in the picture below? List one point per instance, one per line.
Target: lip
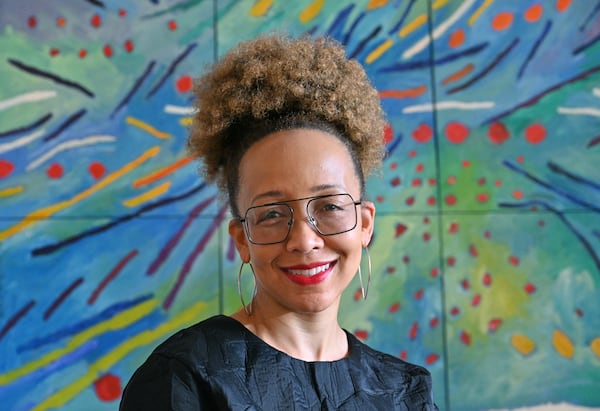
(309, 279)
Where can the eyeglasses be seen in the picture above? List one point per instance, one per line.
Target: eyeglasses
(329, 214)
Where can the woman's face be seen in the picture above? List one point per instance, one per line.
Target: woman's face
(307, 272)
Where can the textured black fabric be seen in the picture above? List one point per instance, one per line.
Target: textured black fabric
(218, 364)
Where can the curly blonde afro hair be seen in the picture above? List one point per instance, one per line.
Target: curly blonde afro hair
(274, 83)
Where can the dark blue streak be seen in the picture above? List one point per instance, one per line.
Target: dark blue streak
(580, 237)
(558, 169)
(364, 42)
(67, 123)
(586, 45)
(53, 77)
(97, 3)
(340, 20)
(104, 315)
(27, 128)
(403, 18)
(487, 69)
(390, 149)
(97, 230)
(590, 17)
(352, 28)
(135, 88)
(551, 188)
(535, 47)
(414, 65)
(171, 69)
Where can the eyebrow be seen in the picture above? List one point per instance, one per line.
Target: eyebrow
(275, 193)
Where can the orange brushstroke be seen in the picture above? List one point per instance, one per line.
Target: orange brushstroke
(373, 4)
(406, 93)
(459, 74)
(163, 172)
(562, 344)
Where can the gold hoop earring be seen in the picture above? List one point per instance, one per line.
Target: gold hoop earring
(247, 308)
(363, 289)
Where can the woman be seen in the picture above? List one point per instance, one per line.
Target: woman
(289, 129)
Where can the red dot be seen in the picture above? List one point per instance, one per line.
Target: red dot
(456, 132)
(400, 229)
(184, 84)
(451, 180)
(32, 21)
(172, 25)
(82, 53)
(97, 170)
(403, 355)
(122, 12)
(380, 199)
(498, 133)
(393, 166)
(482, 197)
(473, 250)
(128, 46)
(451, 261)
(465, 284)
(520, 159)
(410, 200)
(494, 324)
(455, 311)
(419, 168)
(533, 13)
(96, 20)
(431, 201)
(465, 338)
(513, 260)
(414, 330)
(453, 228)
(476, 300)
(434, 322)
(396, 182)
(419, 294)
(450, 199)
(426, 236)
(502, 21)
(388, 134)
(412, 153)
(487, 279)
(423, 133)
(431, 358)
(358, 294)
(431, 182)
(54, 52)
(55, 171)
(529, 288)
(466, 163)
(394, 307)
(108, 51)
(61, 21)
(391, 269)
(535, 133)
(435, 272)
(6, 168)
(361, 334)
(416, 182)
(108, 387)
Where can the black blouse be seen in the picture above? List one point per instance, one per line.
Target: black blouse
(218, 364)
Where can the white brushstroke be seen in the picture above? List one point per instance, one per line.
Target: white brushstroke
(31, 97)
(183, 111)
(439, 31)
(67, 145)
(23, 141)
(596, 91)
(551, 407)
(447, 105)
(582, 111)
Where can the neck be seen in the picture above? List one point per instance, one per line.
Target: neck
(305, 336)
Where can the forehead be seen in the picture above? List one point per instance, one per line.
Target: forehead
(296, 163)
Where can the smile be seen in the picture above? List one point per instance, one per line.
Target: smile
(311, 271)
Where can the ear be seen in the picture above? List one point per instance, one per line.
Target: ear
(367, 221)
(237, 233)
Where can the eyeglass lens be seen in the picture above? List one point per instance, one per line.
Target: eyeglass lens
(271, 223)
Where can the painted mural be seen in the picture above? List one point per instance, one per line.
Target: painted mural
(486, 256)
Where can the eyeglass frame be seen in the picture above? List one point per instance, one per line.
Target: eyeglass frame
(310, 218)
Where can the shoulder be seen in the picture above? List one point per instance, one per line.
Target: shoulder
(390, 373)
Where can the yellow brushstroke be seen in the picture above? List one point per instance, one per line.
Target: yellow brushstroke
(522, 344)
(477, 13)
(373, 4)
(413, 25)
(147, 128)
(260, 8)
(378, 52)
(148, 195)
(439, 4)
(595, 346)
(121, 320)
(61, 397)
(562, 344)
(311, 11)
(11, 191)
(46, 212)
(186, 121)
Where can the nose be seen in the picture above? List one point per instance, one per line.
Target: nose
(303, 236)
